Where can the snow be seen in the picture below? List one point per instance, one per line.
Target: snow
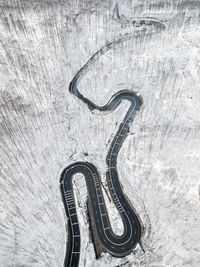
(44, 128)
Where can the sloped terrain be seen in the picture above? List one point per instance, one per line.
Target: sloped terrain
(44, 128)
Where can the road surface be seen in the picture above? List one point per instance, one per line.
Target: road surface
(118, 246)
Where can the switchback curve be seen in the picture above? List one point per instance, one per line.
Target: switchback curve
(117, 246)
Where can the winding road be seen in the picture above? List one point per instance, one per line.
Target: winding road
(108, 241)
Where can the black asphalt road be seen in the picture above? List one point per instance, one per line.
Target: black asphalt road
(118, 246)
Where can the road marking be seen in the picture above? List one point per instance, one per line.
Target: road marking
(70, 202)
(117, 143)
(72, 207)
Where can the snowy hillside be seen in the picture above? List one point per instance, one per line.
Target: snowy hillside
(44, 128)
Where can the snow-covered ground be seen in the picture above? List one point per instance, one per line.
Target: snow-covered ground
(44, 128)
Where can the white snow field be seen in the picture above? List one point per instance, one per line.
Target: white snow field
(44, 128)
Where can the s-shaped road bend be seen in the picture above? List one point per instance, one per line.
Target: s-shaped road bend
(116, 245)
